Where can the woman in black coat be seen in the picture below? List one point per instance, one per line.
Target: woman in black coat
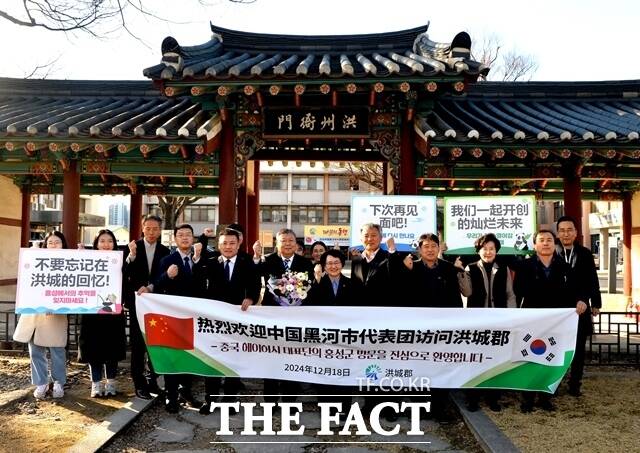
(102, 341)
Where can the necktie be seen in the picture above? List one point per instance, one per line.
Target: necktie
(227, 270)
(187, 265)
(286, 264)
(335, 287)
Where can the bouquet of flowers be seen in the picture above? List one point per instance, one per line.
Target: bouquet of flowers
(290, 289)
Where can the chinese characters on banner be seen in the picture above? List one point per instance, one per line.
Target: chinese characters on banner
(329, 234)
(69, 281)
(528, 349)
(511, 219)
(404, 218)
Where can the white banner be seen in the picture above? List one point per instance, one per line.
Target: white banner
(511, 219)
(402, 217)
(69, 281)
(528, 349)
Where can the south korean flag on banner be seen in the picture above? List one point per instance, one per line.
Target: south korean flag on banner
(542, 348)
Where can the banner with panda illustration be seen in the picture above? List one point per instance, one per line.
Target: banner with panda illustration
(511, 219)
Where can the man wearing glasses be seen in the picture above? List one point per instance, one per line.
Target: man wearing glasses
(583, 268)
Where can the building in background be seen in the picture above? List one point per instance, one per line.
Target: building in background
(119, 214)
(306, 194)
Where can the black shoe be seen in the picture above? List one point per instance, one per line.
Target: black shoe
(188, 398)
(526, 408)
(575, 391)
(389, 414)
(154, 388)
(172, 406)
(143, 394)
(547, 405)
(495, 406)
(472, 406)
(205, 409)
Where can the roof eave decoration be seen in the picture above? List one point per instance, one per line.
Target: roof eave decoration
(235, 55)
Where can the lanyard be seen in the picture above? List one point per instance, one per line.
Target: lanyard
(568, 259)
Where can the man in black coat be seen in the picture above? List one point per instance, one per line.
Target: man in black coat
(436, 281)
(371, 268)
(176, 277)
(433, 282)
(583, 270)
(233, 278)
(275, 265)
(141, 266)
(545, 281)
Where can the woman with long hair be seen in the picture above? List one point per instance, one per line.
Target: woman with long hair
(102, 341)
(44, 331)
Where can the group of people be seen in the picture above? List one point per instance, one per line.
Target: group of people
(101, 342)
(560, 274)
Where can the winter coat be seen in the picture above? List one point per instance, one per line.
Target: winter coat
(46, 330)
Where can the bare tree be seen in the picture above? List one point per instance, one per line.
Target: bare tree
(506, 66)
(367, 172)
(42, 71)
(82, 15)
(173, 207)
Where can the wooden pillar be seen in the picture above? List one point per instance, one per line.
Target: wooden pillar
(243, 195)
(227, 194)
(253, 209)
(135, 217)
(71, 203)
(408, 182)
(626, 246)
(573, 198)
(385, 178)
(25, 232)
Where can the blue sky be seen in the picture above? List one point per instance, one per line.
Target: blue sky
(571, 40)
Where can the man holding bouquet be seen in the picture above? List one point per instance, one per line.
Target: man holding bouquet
(275, 266)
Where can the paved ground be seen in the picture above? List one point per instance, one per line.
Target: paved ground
(189, 431)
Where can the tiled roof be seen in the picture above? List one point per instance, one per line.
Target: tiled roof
(557, 113)
(246, 56)
(69, 109)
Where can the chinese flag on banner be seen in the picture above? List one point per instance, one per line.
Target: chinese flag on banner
(163, 330)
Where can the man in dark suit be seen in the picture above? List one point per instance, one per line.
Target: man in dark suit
(176, 277)
(546, 281)
(275, 265)
(371, 267)
(282, 260)
(583, 270)
(141, 267)
(233, 278)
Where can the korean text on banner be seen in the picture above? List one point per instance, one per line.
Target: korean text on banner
(69, 281)
(511, 219)
(521, 349)
(402, 217)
